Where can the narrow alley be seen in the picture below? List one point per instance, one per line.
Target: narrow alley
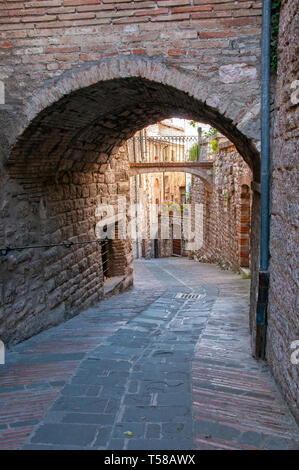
(166, 365)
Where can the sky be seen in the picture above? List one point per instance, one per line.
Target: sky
(189, 130)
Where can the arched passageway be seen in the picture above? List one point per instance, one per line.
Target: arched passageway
(68, 160)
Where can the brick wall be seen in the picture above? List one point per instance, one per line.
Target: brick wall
(47, 36)
(226, 209)
(283, 327)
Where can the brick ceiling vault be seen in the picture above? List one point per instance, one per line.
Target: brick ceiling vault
(82, 129)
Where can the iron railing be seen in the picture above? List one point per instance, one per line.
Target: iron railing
(166, 148)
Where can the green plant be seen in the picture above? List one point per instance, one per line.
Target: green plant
(188, 196)
(246, 276)
(227, 196)
(275, 13)
(194, 152)
(188, 193)
(214, 145)
(212, 131)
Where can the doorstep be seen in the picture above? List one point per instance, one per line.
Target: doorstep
(111, 283)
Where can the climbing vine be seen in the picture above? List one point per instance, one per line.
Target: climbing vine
(194, 152)
(275, 13)
(214, 146)
(212, 131)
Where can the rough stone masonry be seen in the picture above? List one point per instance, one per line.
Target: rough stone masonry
(81, 77)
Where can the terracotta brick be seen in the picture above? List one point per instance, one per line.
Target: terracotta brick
(159, 11)
(139, 51)
(13, 34)
(125, 6)
(176, 52)
(29, 12)
(191, 9)
(95, 8)
(57, 24)
(80, 2)
(241, 12)
(211, 2)
(54, 49)
(173, 3)
(43, 4)
(76, 16)
(130, 20)
(216, 34)
(9, 20)
(180, 17)
(7, 6)
(231, 6)
(204, 24)
(34, 19)
(237, 22)
(6, 44)
(91, 56)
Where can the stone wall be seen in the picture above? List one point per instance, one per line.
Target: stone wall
(283, 319)
(226, 209)
(42, 287)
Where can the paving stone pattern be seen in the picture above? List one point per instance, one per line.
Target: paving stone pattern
(147, 370)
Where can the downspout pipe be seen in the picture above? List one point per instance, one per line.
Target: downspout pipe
(263, 284)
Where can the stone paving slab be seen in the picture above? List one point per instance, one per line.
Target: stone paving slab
(36, 382)
(147, 370)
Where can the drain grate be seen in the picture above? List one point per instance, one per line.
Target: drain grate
(182, 295)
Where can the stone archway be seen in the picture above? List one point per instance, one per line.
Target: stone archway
(62, 164)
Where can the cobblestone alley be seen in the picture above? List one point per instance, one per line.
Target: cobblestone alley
(152, 368)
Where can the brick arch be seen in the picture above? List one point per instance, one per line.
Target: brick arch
(170, 91)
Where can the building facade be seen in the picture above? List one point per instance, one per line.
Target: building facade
(156, 195)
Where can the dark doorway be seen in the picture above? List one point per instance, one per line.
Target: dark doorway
(177, 246)
(106, 250)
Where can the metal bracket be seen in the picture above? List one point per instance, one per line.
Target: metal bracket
(4, 251)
